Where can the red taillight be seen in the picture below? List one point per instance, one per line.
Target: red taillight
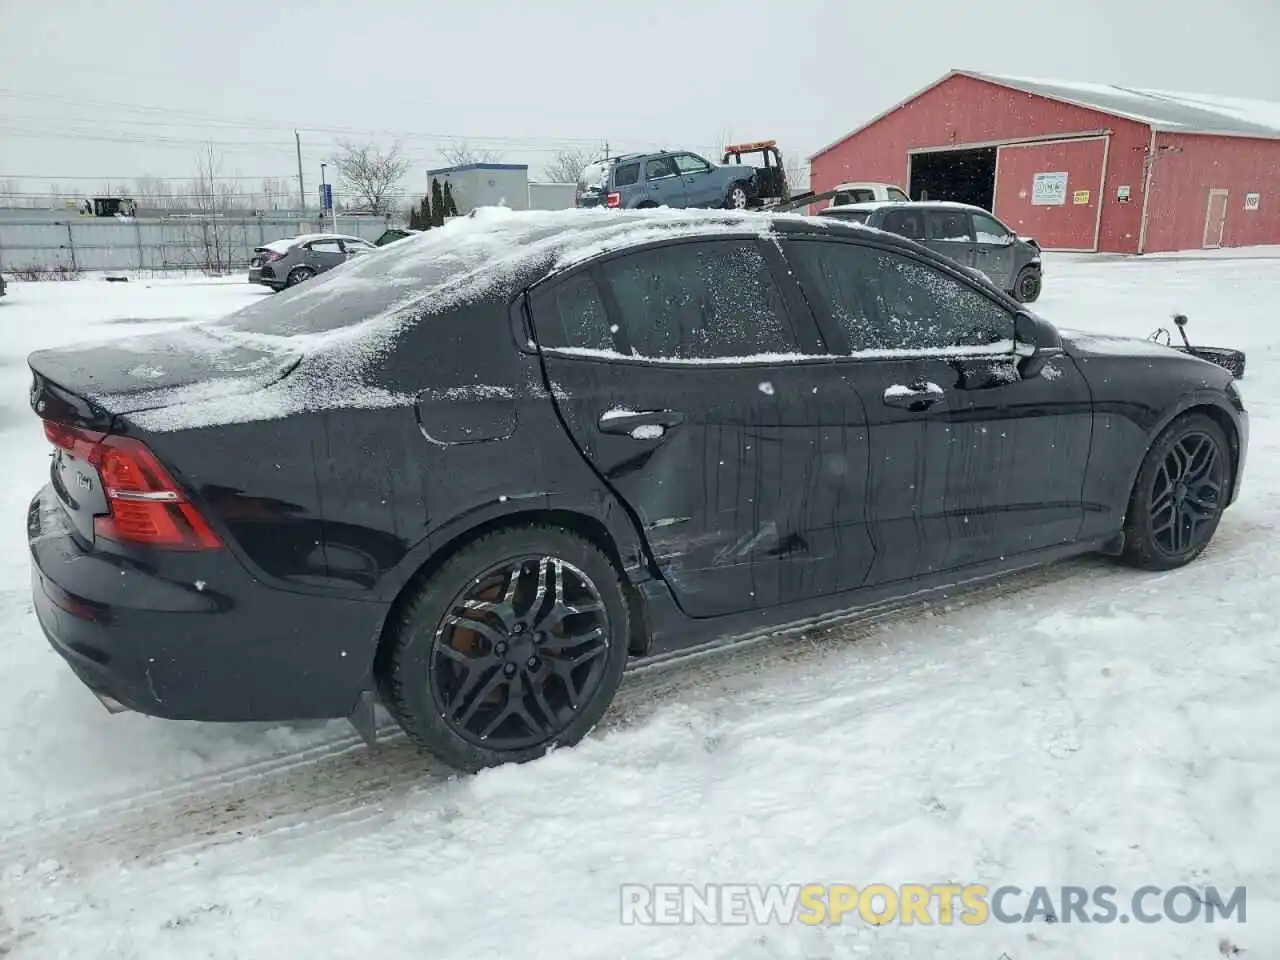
(613, 200)
(271, 256)
(147, 507)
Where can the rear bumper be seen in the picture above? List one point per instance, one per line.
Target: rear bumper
(195, 636)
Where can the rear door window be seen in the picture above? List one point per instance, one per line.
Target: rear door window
(699, 301)
(952, 225)
(571, 314)
(883, 301)
(895, 194)
(658, 168)
(905, 223)
(325, 246)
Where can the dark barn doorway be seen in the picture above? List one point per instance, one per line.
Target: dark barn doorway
(961, 176)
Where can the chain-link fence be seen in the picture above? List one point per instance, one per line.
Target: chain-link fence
(216, 244)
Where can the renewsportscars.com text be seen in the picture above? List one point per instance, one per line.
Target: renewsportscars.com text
(927, 904)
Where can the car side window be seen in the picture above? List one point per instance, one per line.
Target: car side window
(699, 301)
(357, 245)
(946, 225)
(687, 164)
(626, 174)
(325, 246)
(989, 229)
(905, 223)
(571, 314)
(861, 195)
(659, 168)
(885, 301)
(896, 194)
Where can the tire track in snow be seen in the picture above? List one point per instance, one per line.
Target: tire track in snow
(340, 783)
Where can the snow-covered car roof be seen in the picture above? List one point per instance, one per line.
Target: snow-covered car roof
(286, 243)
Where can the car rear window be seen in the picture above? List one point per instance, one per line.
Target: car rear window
(854, 196)
(626, 174)
(853, 216)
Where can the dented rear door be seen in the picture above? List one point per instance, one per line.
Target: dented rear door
(679, 373)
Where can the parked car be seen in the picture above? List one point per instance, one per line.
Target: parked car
(665, 179)
(486, 470)
(285, 263)
(867, 192)
(970, 236)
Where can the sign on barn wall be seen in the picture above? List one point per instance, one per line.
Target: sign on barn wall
(1049, 189)
(1252, 201)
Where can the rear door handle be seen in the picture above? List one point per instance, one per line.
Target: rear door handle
(919, 396)
(631, 421)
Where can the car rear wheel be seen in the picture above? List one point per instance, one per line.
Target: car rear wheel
(1026, 289)
(1180, 494)
(737, 198)
(515, 645)
(297, 275)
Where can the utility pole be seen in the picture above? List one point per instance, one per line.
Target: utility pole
(302, 189)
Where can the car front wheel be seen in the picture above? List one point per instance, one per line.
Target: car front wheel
(1026, 289)
(737, 198)
(1180, 494)
(517, 644)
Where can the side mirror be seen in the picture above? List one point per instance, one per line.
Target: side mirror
(1029, 339)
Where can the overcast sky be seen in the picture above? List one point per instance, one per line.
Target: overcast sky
(115, 90)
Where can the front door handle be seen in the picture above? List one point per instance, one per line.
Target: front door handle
(921, 395)
(645, 424)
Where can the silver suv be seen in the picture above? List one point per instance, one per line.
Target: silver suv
(286, 263)
(665, 179)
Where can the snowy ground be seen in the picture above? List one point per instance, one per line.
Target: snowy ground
(1085, 725)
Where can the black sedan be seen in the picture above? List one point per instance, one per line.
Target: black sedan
(474, 474)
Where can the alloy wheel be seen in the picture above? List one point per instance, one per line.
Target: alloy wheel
(1186, 495)
(520, 650)
(1028, 287)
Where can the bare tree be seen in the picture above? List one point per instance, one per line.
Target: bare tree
(211, 200)
(462, 153)
(373, 175)
(566, 166)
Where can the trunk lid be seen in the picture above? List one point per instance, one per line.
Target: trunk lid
(80, 392)
(88, 385)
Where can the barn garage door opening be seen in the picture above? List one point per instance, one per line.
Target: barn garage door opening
(961, 176)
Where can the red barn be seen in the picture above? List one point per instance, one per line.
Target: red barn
(1079, 166)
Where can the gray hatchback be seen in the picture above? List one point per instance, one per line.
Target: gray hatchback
(969, 235)
(285, 263)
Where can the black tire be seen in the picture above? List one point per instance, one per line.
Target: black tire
(442, 694)
(297, 275)
(1026, 289)
(737, 198)
(1179, 496)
